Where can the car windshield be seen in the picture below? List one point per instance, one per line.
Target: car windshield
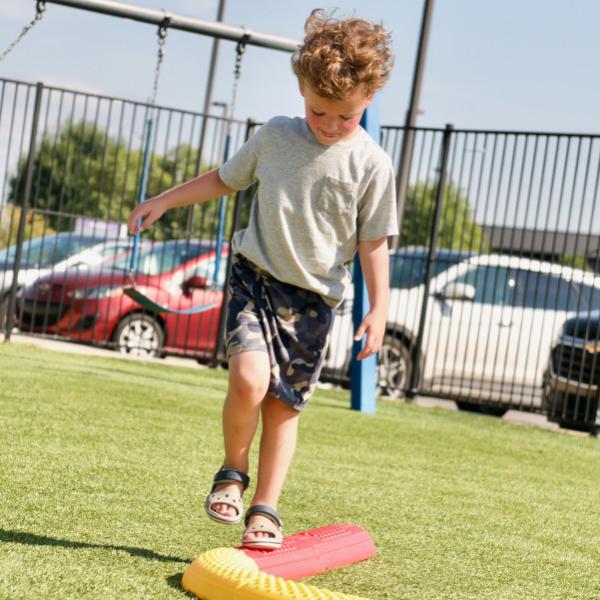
(163, 257)
(46, 251)
(590, 297)
(524, 288)
(408, 270)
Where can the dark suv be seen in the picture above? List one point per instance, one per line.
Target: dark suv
(572, 381)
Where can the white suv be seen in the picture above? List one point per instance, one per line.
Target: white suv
(490, 324)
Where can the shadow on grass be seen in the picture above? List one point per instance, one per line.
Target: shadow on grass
(175, 582)
(30, 539)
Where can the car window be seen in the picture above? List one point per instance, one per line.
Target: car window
(109, 255)
(491, 284)
(590, 298)
(162, 257)
(409, 271)
(47, 251)
(542, 291)
(111, 250)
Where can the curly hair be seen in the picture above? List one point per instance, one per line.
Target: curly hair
(339, 56)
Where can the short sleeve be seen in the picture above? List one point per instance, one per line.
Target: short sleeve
(238, 172)
(377, 215)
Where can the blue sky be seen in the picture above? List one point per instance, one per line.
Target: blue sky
(511, 64)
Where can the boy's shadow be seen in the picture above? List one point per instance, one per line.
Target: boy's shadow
(31, 539)
(175, 582)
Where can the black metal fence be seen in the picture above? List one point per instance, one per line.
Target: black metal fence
(499, 243)
(72, 166)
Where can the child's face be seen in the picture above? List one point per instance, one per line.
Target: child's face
(331, 120)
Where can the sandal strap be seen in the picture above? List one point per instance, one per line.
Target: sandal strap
(273, 531)
(220, 498)
(267, 511)
(223, 475)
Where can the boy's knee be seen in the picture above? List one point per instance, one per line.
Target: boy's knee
(249, 378)
(248, 388)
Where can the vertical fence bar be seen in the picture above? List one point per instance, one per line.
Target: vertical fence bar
(445, 151)
(39, 90)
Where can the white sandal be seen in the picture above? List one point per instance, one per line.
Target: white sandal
(233, 500)
(274, 529)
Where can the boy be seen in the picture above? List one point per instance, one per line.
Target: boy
(325, 189)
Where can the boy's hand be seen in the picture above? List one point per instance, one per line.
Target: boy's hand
(374, 326)
(149, 211)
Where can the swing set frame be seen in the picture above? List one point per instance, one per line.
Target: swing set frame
(364, 372)
(165, 21)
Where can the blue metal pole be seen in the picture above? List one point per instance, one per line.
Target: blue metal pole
(222, 213)
(142, 190)
(363, 373)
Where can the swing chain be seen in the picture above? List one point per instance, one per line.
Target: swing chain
(39, 13)
(162, 38)
(237, 71)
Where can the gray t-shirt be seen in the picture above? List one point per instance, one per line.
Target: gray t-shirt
(313, 203)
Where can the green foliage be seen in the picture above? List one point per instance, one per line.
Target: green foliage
(82, 170)
(575, 262)
(36, 225)
(457, 227)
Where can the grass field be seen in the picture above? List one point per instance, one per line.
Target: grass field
(105, 462)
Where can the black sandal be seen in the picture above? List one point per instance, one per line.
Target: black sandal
(273, 529)
(225, 476)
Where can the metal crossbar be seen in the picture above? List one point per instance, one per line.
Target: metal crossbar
(183, 23)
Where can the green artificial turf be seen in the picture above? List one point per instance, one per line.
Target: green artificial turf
(104, 464)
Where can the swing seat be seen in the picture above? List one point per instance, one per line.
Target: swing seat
(152, 306)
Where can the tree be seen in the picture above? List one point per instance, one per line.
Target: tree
(457, 228)
(35, 225)
(83, 171)
(80, 171)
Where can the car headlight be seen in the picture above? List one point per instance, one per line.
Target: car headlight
(41, 287)
(96, 293)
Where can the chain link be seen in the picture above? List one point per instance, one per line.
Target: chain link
(39, 13)
(237, 71)
(162, 38)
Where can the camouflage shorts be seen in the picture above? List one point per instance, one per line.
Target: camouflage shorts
(289, 323)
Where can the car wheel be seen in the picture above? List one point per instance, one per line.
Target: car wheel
(139, 335)
(482, 409)
(395, 366)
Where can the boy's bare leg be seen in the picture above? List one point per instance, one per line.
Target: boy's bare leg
(249, 374)
(277, 446)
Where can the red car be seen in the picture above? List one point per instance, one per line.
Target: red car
(90, 306)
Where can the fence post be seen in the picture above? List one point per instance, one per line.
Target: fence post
(12, 303)
(413, 387)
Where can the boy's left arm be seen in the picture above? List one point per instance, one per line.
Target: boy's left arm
(375, 264)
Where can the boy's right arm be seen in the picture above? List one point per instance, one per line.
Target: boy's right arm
(200, 189)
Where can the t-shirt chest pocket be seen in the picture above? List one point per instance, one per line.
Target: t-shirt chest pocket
(337, 197)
